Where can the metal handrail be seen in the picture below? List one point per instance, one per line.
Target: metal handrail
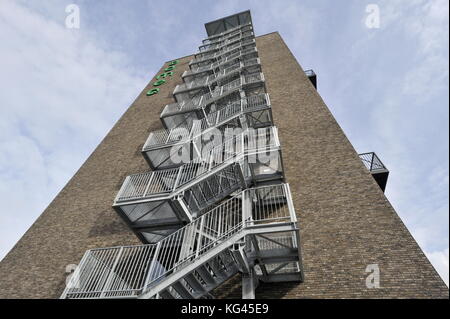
(220, 62)
(372, 162)
(132, 270)
(310, 72)
(233, 150)
(227, 35)
(229, 31)
(226, 46)
(227, 39)
(200, 102)
(222, 52)
(219, 76)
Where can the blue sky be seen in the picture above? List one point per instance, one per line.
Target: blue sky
(63, 89)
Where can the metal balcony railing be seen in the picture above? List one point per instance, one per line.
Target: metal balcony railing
(372, 162)
(376, 167)
(312, 77)
(178, 265)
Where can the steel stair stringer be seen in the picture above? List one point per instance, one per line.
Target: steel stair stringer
(200, 256)
(173, 281)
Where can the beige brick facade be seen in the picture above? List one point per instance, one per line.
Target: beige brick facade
(346, 221)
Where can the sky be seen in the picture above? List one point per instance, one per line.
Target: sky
(62, 89)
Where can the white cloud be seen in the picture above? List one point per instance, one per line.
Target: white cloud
(60, 95)
(410, 117)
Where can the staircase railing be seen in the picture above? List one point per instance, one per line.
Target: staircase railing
(372, 162)
(216, 77)
(228, 31)
(208, 98)
(232, 150)
(221, 62)
(226, 50)
(220, 45)
(128, 271)
(212, 41)
(214, 119)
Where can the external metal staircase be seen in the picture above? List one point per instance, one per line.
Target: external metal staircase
(255, 233)
(227, 48)
(248, 112)
(206, 82)
(156, 203)
(233, 37)
(221, 36)
(223, 63)
(216, 203)
(197, 107)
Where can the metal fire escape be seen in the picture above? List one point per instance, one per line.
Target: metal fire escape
(215, 203)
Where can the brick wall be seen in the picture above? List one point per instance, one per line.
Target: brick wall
(81, 216)
(346, 221)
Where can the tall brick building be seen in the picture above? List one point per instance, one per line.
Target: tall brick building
(282, 208)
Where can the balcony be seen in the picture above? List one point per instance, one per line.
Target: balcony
(224, 39)
(379, 172)
(312, 77)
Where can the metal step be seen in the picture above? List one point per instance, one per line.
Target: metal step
(197, 258)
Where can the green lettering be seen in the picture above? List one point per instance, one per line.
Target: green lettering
(164, 75)
(152, 92)
(159, 82)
